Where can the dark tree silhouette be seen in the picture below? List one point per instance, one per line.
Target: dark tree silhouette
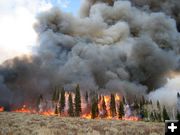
(94, 108)
(77, 101)
(121, 110)
(71, 108)
(112, 106)
(165, 114)
(62, 101)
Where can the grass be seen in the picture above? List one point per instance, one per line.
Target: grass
(33, 124)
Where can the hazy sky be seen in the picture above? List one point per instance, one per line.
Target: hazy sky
(17, 35)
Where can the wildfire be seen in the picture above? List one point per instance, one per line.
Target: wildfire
(24, 109)
(131, 118)
(86, 116)
(104, 111)
(47, 113)
(1, 109)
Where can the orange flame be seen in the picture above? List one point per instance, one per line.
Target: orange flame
(1, 109)
(86, 109)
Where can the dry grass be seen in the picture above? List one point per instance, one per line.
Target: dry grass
(32, 124)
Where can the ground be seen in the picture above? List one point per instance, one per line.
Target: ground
(34, 124)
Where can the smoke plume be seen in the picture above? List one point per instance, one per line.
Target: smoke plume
(121, 46)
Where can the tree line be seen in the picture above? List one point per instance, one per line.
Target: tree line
(98, 107)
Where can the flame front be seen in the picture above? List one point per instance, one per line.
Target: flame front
(1, 109)
(86, 109)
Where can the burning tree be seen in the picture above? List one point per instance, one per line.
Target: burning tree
(121, 110)
(77, 101)
(86, 97)
(112, 106)
(62, 101)
(94, 108)
(71, 108)
(104, 109)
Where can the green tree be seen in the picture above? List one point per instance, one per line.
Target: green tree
(77, 101)
(112, 106)
(145, 113)
(121, 110)
(104, 107)
(94, 108)
(62, 101)
(165, 114)
(71, 108)
(158, 105)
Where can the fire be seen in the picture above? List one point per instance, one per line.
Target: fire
(25, 109)
(47, 108)
(131, 118)
(1, 109)
(86, 116)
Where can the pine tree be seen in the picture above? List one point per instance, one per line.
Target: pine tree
(56, 110)
(178, 115)
(165, 114)
(55, 96)
(158, 105)
(112, 106)
(124, 100)
(86, 97)
(104, 107)
(94, 108)
(145, 113)
(121, 110)
(77, 101)
(71, 108)
(62, 101)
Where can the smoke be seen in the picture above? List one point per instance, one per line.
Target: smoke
(167, 95)
(114, 46)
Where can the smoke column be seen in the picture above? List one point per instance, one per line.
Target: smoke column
(121, 46)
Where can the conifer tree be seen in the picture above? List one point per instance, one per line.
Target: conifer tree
(145, 113)
(62, 101)
(77, 101)
(165, 114)
(112, 105)
(55, 96)
(86, 97)
(104, 107)
(56, 110)
(94, 108)
(70, 105)
(124, 100)
(121, 110)
(158, 105)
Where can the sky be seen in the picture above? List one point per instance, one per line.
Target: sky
(17, 36)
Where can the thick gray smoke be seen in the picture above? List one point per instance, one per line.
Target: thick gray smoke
(114, 46)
